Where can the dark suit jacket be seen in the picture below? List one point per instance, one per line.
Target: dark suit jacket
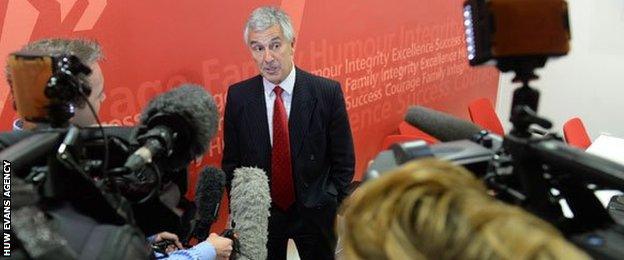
(320, 137)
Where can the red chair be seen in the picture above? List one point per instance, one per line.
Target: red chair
(405, 129)
(483, 114)
(575, 134)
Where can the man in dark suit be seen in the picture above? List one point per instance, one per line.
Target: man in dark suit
(293, 125)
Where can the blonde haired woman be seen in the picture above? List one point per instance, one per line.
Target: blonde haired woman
(431, 209)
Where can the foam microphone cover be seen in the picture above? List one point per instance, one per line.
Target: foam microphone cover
(440, 125)
(208, 194)
(249, 204)
(190, 111)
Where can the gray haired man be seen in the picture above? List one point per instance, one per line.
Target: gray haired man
(294, 126)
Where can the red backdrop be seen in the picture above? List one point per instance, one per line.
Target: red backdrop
(387, 55)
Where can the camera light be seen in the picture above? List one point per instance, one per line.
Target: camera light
(469, 32)
(468, 12)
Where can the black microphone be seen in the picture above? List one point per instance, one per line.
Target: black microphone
(178, 125)
(249, 203)
(440, 125)
(208, 194)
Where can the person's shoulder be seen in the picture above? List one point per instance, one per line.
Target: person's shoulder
(244, 86)
(318, 81)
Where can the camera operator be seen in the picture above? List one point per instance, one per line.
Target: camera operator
(90, 53)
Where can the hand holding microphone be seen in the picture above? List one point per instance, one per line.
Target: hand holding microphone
(209, 191)
(223, 245)
(166, 243)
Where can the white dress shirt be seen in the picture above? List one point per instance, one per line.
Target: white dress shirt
(269, 97)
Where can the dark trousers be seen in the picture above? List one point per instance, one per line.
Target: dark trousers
(313, 233)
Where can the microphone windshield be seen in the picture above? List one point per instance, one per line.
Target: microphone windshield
(250, 202)
(208, 194)
(188, 110)
(440, 125)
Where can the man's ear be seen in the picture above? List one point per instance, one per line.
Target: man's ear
(292, 44)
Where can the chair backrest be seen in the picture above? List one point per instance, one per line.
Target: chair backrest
(575, 133)
(483, 114)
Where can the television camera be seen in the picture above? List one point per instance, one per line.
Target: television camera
(75, 181)
(534, 171)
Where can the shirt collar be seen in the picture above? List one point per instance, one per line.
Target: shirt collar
(288, 84)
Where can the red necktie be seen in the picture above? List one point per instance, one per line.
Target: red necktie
(282, 189)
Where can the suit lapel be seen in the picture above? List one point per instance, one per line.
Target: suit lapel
(303, 104)
(255, 111)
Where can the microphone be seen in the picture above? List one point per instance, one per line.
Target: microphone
(178, 125)
(249, 204)
(440, 125)
(208, 194)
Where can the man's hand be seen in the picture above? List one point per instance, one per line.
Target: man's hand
(171, 237)
(222, 245)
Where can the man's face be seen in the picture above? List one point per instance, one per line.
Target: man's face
(83, 116)
(272, 52)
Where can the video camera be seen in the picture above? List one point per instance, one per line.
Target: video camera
(47, 88)
(79, 177)
(533, 171)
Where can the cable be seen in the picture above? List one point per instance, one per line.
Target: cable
(106, 151)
